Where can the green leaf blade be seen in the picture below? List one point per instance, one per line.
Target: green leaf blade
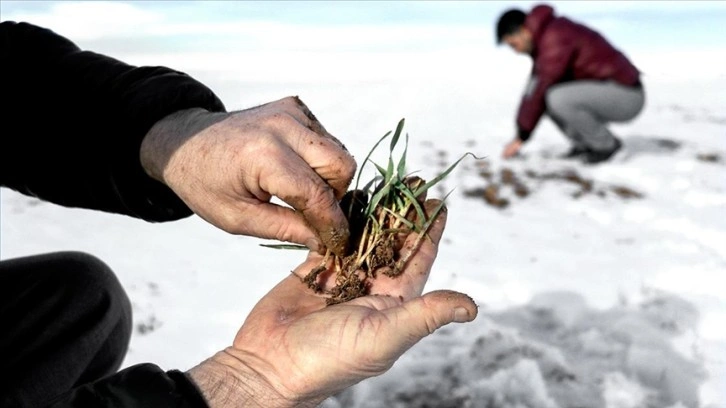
(441, 176)
(401, 170)
(284, 246)
(362, 166)
(397, 134)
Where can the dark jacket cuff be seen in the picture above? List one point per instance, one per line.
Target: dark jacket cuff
(143, 385)
(143, 196)
(523, 135)
(74, 121)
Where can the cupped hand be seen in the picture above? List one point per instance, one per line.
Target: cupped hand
(227, 166)
(294, 351)
(410, 283)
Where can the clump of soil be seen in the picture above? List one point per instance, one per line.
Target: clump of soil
(148, 326)
(490, 194)
(587, 186)
(668, 144)
(509, 178)
(493, 190)
(709, 157)
(625, 192)
(570, 176)
(374, 247)
(381, 215)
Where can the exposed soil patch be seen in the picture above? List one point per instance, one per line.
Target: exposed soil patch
(490, 194)
(500, 188)
(584, 186)
(709, 157)
(667, 144)
(147, 326)
(625, 192)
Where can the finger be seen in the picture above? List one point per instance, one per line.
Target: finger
(323, 153)
(415, 272)
(414, 183)
(321, 150)
(414, 275)
(271, 221)
(421, 259)
(312, 121)
(417, 318)
(314, 124)
(312, 264)
(299, 186)
(435, 208)
(294, 106)
(331, 162)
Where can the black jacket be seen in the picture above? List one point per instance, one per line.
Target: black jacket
(72, 124)
(73, 121)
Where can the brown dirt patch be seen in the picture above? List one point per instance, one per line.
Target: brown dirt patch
(501, 187)
(709, 157)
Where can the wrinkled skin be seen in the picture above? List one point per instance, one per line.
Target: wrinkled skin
(227, 166)
(293, 351)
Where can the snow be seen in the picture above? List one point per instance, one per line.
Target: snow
(592, 301)
(553, 351)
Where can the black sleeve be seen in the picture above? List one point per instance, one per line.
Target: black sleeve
(523, 135)
(73, 122)
(143, 385)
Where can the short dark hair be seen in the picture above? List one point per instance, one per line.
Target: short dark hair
(509, 23)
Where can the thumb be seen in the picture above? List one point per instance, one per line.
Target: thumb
(419, 317)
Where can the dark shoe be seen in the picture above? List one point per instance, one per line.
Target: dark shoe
(597, 156)
(575, 152)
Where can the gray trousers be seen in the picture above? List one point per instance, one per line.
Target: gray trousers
(582, 110)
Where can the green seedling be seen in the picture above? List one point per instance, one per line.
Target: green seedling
(381, 212)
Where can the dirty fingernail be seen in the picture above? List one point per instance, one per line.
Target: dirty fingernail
(336, 239)
(461, 315)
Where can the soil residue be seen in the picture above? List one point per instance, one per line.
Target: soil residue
(368, 252)
(147, 326)
(501, 188)
(709, 157)
(490, 194)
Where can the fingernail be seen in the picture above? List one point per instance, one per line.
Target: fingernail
(313, 244)
(461, 315)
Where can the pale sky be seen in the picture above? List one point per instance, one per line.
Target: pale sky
(648, 23)
(259, 41)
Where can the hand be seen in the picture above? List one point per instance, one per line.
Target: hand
(294, 351)
(512, 148)
(227, 166)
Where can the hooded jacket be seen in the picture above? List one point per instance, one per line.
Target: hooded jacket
(73, 122)
(562, 51)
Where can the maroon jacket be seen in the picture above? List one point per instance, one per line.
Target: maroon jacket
(564, 51)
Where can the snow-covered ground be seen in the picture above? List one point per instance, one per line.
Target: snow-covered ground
(590, 301)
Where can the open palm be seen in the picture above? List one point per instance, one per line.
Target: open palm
(307, 351)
